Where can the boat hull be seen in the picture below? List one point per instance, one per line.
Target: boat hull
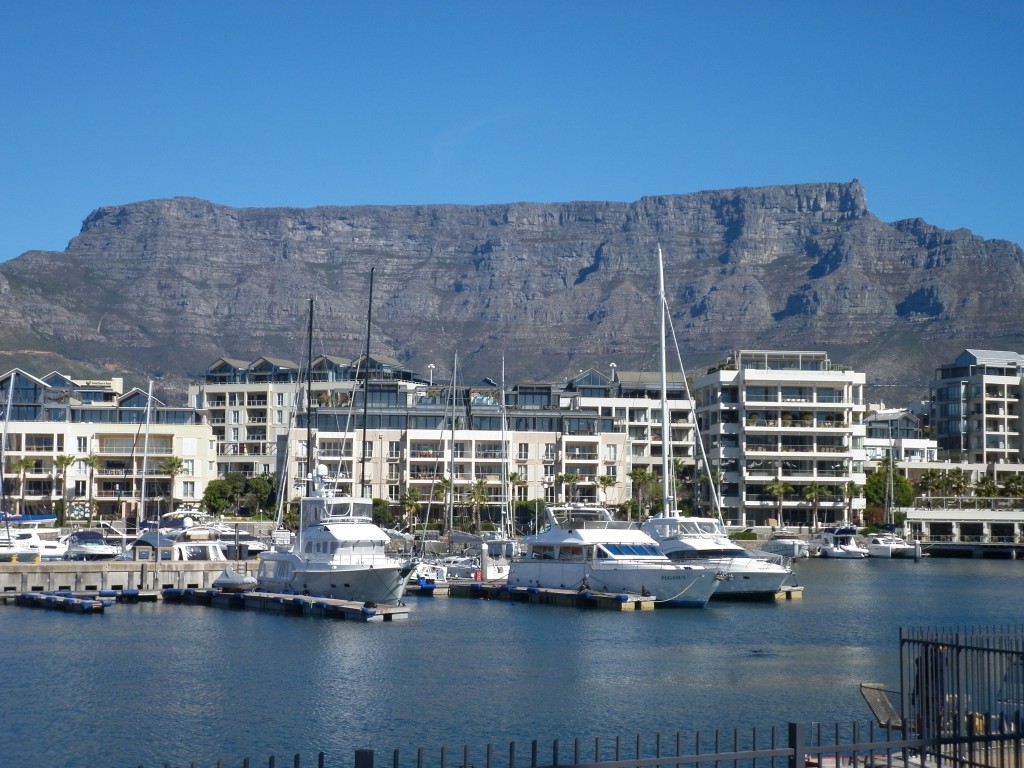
(282, 572)
(678, 585)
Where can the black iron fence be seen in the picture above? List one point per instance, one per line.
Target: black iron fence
(797, 745)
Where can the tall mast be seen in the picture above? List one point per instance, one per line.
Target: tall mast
(667, 495)
(145, 461)
(3, 450)
(366, 391)
(310, 457)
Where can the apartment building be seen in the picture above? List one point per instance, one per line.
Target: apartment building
(785, 433)
(113, 443)
(976, 407)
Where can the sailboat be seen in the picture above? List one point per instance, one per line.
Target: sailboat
(339, 551)
(703, 540)
(886, 542)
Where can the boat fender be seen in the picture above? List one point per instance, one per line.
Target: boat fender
(622, 598)
(533, 590)
(478, 575)
(368, 611)
(584, 594)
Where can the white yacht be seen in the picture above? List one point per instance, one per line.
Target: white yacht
(840, 542)
(704, 541)
(786, 543)
(888, 544)
(339, 552)
(583, 548)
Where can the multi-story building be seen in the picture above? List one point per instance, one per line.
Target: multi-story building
(88, 443)
(784, 431)
(976, 407)
(897, 432)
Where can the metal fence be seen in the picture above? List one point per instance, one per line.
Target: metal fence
(797, 745)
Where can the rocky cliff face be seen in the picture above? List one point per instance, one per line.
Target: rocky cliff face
(164, 287)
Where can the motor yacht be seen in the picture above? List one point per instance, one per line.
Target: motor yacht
(583, 547)
(704, 541)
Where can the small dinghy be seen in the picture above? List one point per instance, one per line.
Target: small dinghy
(231, 580)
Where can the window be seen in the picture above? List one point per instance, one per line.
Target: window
(235, 419)
(393, 493)
(549, 451)
(611, 452)
(80, 489)
(524, 451)
(611, 471)
(280, 398)
(394, 449)
(188, 489)
(549, 494)
(83, 444)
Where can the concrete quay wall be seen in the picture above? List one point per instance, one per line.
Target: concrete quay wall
(49, 576)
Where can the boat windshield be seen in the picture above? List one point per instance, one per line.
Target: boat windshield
(632, 550)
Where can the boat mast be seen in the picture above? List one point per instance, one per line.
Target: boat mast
(145, 464)
(667, 495)
(3, 452)
(366, 392)
(450, 512)
(310, 457)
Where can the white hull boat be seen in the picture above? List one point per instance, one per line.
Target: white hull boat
(841, 543)
(339, 553)
(583, 548)
(888, 545)
(787, 544)
(704, 541)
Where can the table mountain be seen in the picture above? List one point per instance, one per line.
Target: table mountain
(161, 288)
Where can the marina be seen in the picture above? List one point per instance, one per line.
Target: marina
(551, 672)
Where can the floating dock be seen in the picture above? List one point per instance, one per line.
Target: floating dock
(566, 597)
(296, 605)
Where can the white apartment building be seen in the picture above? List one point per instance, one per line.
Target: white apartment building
(785, 431)
(114, 444)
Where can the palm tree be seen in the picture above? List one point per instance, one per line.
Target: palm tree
(20, 466)
(409, 503)
(606, 482)
(644, 482)
(985, 486)
(61, 464)
(930, 482)
(957, 482)
(92, 462)
(478, 496)
(778, 490)
(172, 466)
(853, 490)
(1013, 486)
(814, 494)
(569, 479)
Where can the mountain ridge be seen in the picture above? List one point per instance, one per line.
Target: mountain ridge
(162, 288)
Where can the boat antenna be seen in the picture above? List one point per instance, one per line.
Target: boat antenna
(310, 454)
(667, 479)
(366, 391)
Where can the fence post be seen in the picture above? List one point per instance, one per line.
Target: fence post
(364, 758)
(797, 741)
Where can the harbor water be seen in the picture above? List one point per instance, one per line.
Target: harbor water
(150, 684)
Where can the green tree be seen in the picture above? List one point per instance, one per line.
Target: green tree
(875, 491)
(1013, 486)
(852, 490)
(645, 485)
(778, 489)
(958, 482)
(260, 492)
(931, 483)
(20, 466)
(986, 487)
(409, 503)
(568, 481)
(606, 482)
(92, 463)
(477, 496)
(61, 464)
(814, 493)
(172, 466)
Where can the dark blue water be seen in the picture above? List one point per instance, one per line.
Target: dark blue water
(152, 683)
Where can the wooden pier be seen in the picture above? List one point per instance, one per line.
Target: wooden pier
(565, 597)
(296, 605)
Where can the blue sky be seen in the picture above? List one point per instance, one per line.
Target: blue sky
(332, 103)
